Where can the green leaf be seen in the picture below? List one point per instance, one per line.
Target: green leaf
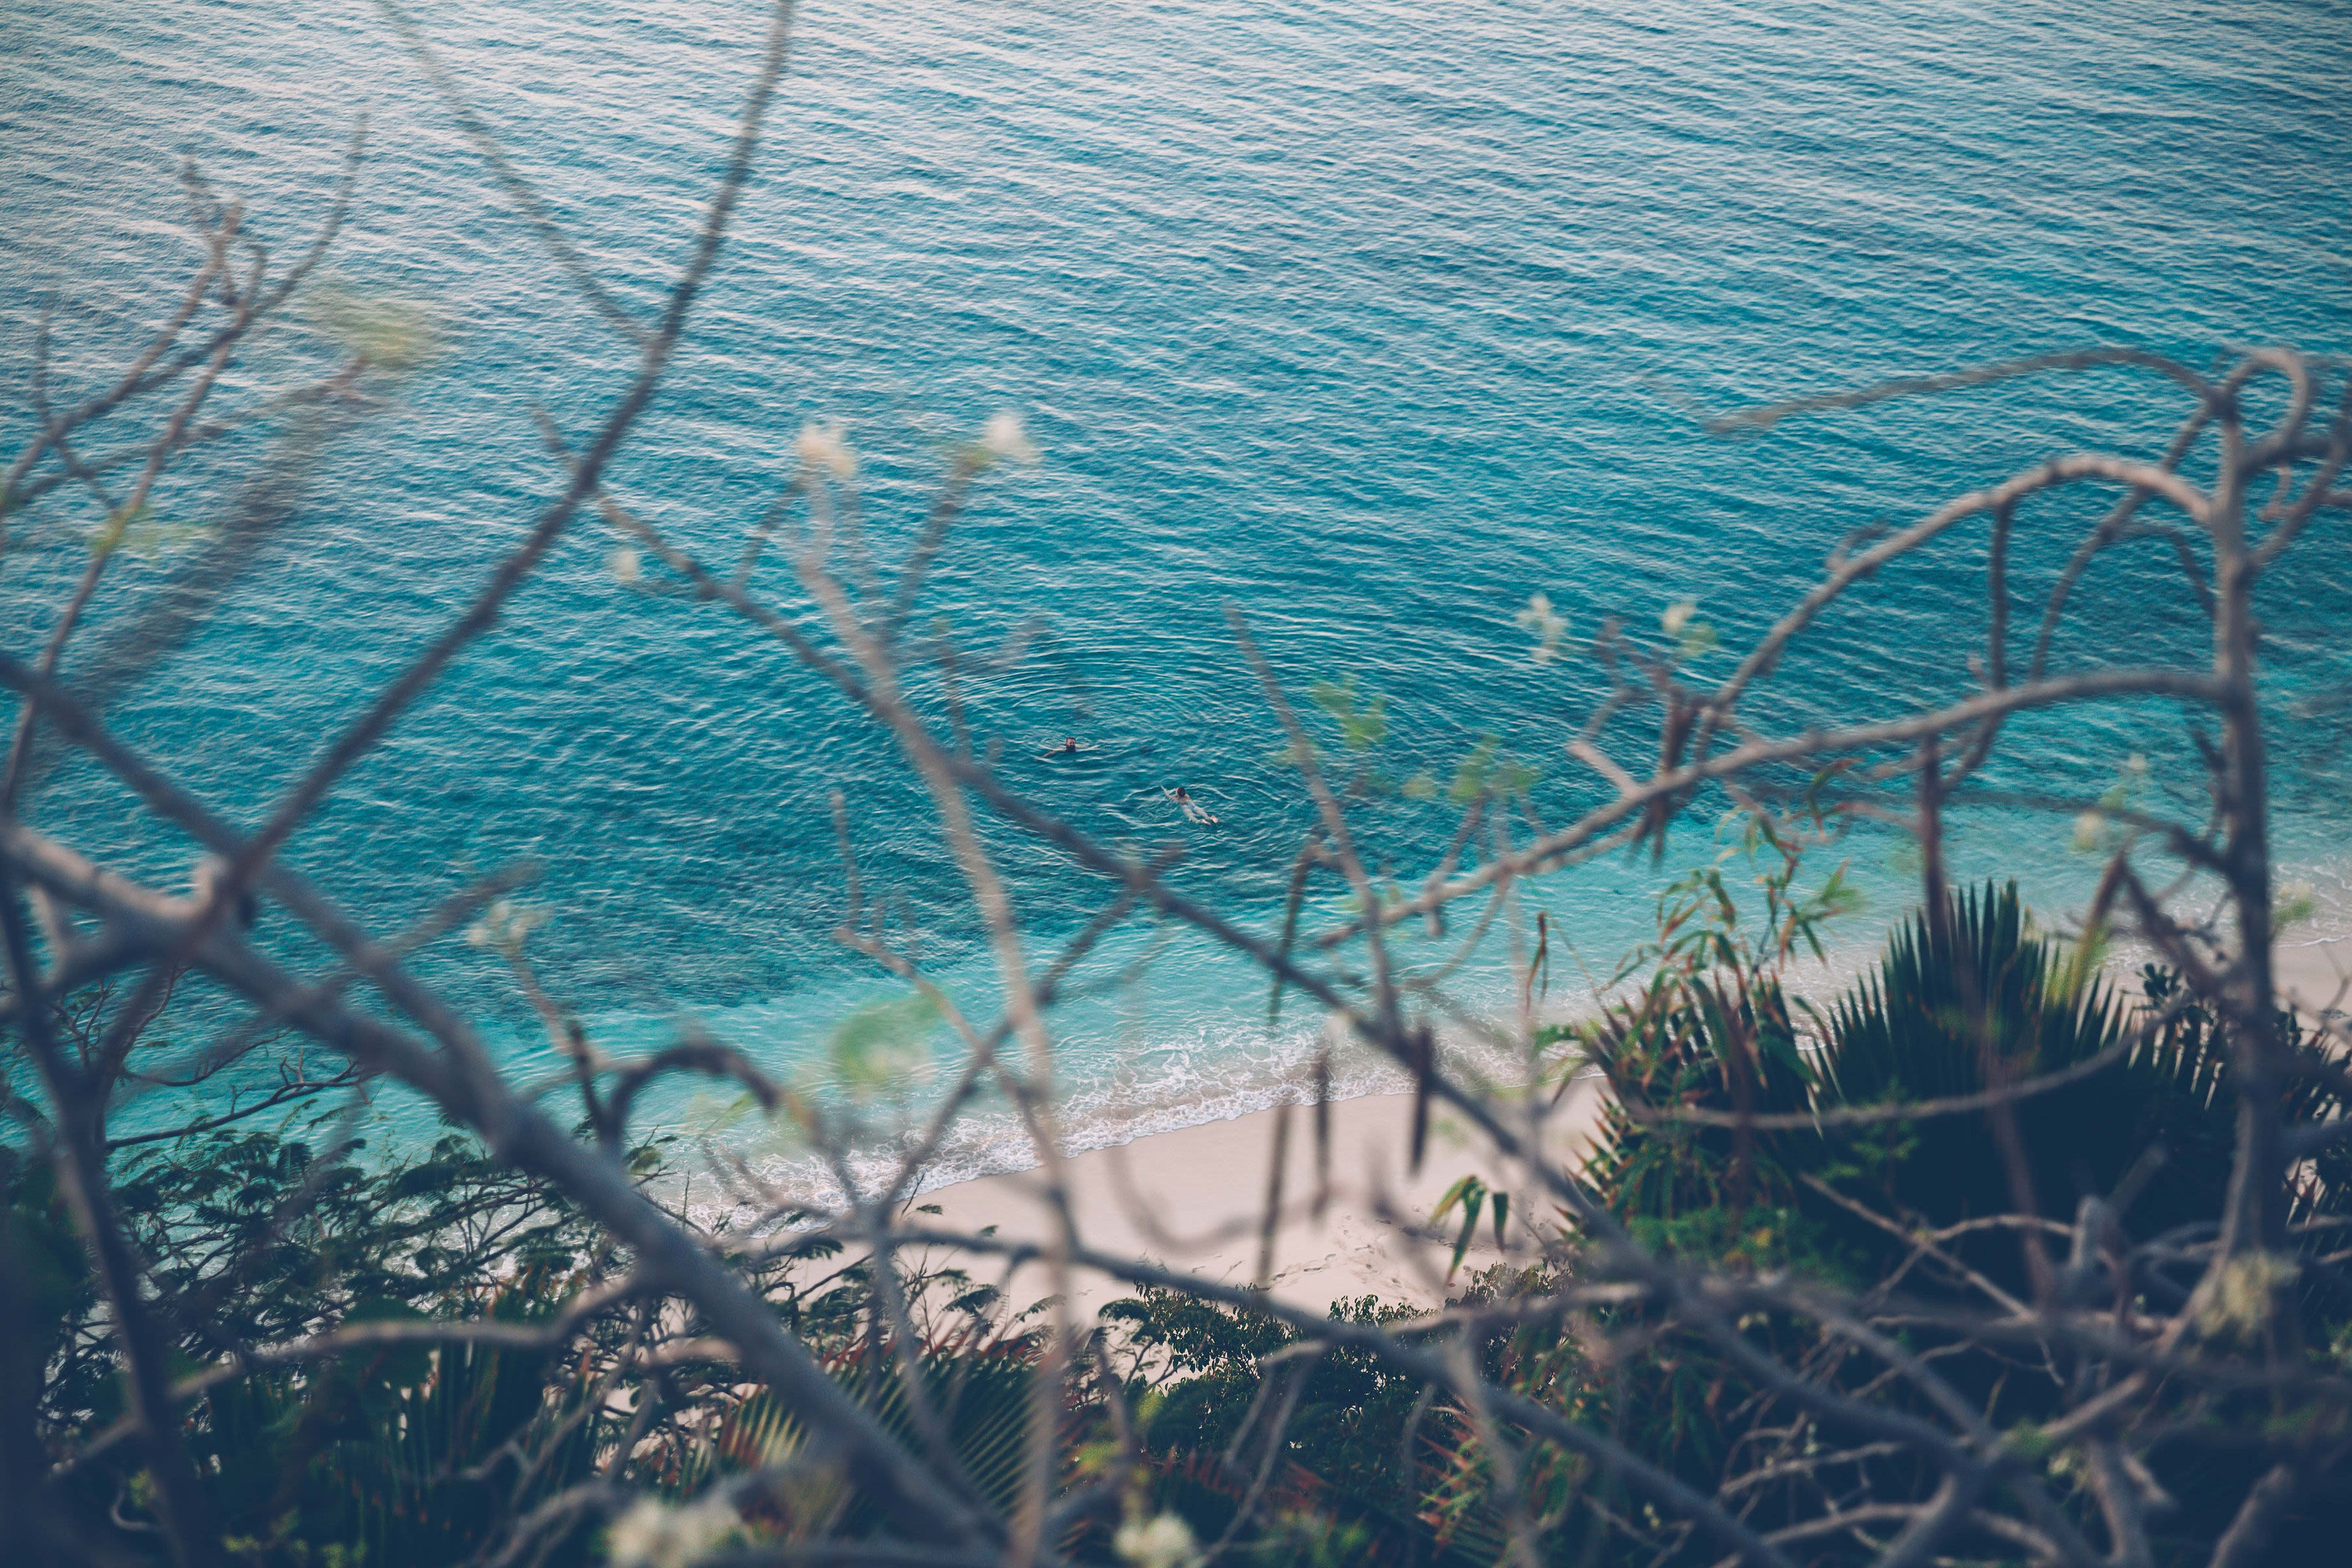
(1470, 775)
(390, 332)
(107, 537)
(1470, 1207)
(1514, 778)
(1363, 725)
(882, 1043)
(1458, 1193)
(397, 1365)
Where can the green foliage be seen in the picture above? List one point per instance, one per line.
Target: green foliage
(1341, 1474)
(387, 1455)
(1691, 637)
(1486, 774)
(1471, 1195)
(1363, 722)
(387, 330)
(51, 1294)
(1976, 1000)
(426, 1453)
(884, 1044)
(396, 1456)
(1957, 1006)
(419, 1453)
(980, 1392)
(1361, 719)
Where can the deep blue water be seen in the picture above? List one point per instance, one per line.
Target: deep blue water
(1368, 319)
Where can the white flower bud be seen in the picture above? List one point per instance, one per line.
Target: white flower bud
(1003, 439)
(1165, 1541)
(823, 447)
(1546, 623)
(654, 1535)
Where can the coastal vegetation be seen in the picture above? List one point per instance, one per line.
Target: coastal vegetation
(474, 1366)
(2011, 1250)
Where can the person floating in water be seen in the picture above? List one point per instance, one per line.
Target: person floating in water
(1193, 809)
(1068, 748)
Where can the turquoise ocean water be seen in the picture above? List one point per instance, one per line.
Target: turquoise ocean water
(1370, 319)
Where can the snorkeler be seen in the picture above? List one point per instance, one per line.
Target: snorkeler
(1193, 809)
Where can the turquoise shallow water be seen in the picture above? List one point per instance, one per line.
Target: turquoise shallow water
(1368, 319)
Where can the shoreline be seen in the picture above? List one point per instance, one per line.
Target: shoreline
(2315, 977)
(1193, 1198)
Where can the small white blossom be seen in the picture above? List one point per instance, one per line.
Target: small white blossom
(1003, 439)
(505, 924)
(1165, 1541)
(2244, 1293)
(2087, 829)
(626, 565)
(2136, 764)
(1545, 623)
(823, 445)
(653, 1534)
(1677, 615)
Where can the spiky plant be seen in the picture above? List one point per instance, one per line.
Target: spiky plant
(1980, 1001)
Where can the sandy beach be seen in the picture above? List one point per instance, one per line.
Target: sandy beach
(1192, 1199)
(2316, 977)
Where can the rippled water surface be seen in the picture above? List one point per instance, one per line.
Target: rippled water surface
(1368, 320)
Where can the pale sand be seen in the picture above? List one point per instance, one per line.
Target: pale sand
(1191, 1199)
(2316, 977)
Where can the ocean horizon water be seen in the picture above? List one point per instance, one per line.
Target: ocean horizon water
(1369, 320)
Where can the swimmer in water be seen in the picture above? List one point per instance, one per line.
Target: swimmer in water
(1193, 809)
(1068, 748)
